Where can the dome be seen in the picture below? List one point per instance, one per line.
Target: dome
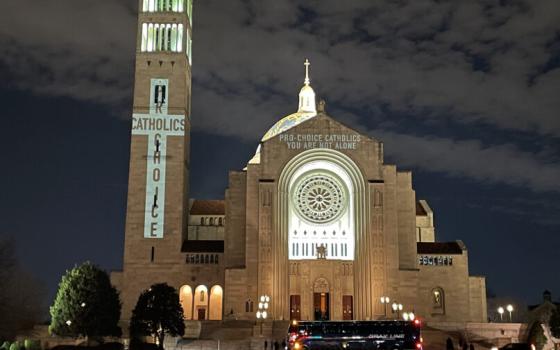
(287, 123)
(307, 109)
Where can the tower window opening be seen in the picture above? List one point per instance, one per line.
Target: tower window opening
(163, 5)
(161, 37)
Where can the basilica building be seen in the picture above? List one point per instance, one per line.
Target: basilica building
(315, 220)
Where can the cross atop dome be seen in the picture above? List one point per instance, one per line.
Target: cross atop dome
(306, 64)
(307, 95)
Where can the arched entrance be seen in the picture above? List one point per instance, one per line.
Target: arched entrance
(216, 297)
(321, 299)
(321, 209)
(200, 303)
(186, 299)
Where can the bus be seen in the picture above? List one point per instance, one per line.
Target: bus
(351, 335)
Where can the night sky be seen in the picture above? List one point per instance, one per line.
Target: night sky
(466, 94)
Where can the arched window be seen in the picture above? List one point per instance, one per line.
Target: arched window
(215, 308)
(186, 299)
(211, 258)
(202, 221)
(200, 303)
(206, 259)
(249, 305)
(211, 221)
(438, 300)
(221, 222)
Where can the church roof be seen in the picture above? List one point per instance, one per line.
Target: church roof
(208, 207)
(452, 248)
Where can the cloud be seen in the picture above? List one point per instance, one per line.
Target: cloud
(469, 61)
(469, 158)
(80, 49)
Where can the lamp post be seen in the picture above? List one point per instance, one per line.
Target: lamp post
(385, 301)
(262, 312)
(397, 308)
(509, 308)
(501, 312)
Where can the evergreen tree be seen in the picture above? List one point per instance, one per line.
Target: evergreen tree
(86, 304)
(537, 336)
(157, 312)
(554, 323)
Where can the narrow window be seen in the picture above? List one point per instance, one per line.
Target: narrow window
(168, 48)
(153, 254)
(180, 38)
(144, 37)
(174, 38)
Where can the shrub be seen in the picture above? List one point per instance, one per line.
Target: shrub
(30, 344)
(6, 345)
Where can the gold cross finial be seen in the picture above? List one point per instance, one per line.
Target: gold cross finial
(307, 64)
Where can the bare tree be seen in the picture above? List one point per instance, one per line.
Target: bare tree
(21, 295)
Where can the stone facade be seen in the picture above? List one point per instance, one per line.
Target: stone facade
(316, 220)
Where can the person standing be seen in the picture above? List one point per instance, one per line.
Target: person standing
(449, 344)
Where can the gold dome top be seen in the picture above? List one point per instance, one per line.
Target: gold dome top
(307, 109)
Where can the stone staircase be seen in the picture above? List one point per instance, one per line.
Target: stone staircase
(436, 339)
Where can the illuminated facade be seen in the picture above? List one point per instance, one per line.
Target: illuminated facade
(316, 220)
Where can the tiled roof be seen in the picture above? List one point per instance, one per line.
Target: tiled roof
(420, 210)
(208, 207)
(199, 246)
(439, 248)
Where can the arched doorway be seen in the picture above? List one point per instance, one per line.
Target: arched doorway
(186, 299)
(321, 299)
(216, 297)
(200, 303)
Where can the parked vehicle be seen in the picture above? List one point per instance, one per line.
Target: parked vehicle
(349, 335)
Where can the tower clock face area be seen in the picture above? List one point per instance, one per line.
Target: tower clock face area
(321, 222)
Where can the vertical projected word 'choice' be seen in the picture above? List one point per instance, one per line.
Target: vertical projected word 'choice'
(157, 125)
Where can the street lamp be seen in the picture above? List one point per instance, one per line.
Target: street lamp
(501, 312)
(509, 308)
(385, 301)
(397, 308)
(263, 306)
(408, 316)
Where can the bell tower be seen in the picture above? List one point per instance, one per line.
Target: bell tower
(158, 184)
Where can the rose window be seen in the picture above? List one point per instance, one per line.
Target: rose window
(319, 198)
